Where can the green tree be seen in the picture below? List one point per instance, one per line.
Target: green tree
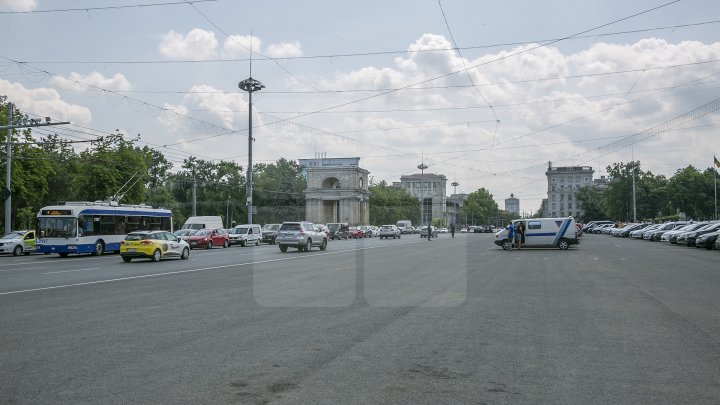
(279, 191)
(691, 192)
(390, 204)
(592, 203)
(30, 166)
(480, 208)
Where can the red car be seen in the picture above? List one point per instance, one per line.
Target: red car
(356, 233)
(207, 238)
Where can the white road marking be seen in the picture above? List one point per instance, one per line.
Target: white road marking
(71, 271)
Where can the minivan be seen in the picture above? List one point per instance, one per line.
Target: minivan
(244, 235)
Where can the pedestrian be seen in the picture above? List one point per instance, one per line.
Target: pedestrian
(511, 234)
(429, 232)
(452, 230)
(522, 234)
(518, 234)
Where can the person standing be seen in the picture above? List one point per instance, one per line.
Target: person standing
(452, 230)
(429, 232)
(518, 234)
(511, 235)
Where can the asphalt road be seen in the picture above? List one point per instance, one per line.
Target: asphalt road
(392, 321)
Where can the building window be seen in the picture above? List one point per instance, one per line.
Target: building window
(569, 205)
(552, 188)
(553, 179)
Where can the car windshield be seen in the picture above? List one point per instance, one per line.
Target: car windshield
(290, 227)
(202, 232)
(239, 231)
(185, 232)
(13, 235)
(137, 236)
(271, 227)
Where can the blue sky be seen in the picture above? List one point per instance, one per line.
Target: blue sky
(485, 93)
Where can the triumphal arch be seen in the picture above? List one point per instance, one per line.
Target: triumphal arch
(337, 191)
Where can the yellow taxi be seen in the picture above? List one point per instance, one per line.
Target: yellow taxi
(153, 245)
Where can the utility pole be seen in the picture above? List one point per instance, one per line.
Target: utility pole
(194, 193)
(8, 153)
(8, 150)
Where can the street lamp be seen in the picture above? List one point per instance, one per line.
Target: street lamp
(250, 85)
(455, 211)
(633, 165)
(422, 167)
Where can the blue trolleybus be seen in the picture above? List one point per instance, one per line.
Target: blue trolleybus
(95, 227)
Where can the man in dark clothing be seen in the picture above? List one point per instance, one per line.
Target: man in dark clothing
(452, 230)
(429, 232)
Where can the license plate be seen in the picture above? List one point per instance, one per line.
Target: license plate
(132, 250)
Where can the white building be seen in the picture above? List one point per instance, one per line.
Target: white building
(430, 189)
(563, 186)
(512, 205)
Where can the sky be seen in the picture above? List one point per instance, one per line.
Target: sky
(485, 93)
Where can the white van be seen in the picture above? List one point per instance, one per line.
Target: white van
(543, 232)
(244, 235)
(211, 222)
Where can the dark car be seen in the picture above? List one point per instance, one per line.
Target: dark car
(338, 230)
(707, 240)
(269, 233)
(689, 238)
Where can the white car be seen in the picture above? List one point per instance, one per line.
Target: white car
(389, 231)
(18, 242)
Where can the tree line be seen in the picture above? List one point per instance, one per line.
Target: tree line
(657, 198)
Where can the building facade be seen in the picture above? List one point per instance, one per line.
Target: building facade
(429, 189)
(337, 191)
(512, 205)
(563, 186)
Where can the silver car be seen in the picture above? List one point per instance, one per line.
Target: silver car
(300, 235)
(389, 231)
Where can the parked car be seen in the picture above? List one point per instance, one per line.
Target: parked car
(389, 231)
(300, 235)
(356, 233)
(338, 230)
(18, 243)
(244, 235)
(324, 229)
(666, 236)
(717, 244)
(424, 231)
(207, 238)
(153, 245)
(638, 233)
(707, 240)
(184, 233)
(269, 231)
(600, 228)
(689, 238)
(655, 234)
(698, 225)
(367, 230)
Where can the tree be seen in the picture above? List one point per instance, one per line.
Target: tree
(279, 191)
(691, 192)
(390, 204)
(592, 203)
(479, 208)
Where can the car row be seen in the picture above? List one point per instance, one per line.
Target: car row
(698, 234)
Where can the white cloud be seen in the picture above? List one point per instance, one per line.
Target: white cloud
(45, 102)
(18, 5)
(76, 81)
(284, 49)
(239, 45)
(207, 102)
(196, 45)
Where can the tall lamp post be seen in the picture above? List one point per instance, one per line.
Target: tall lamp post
(634, 164)
(250, 85)
(422, 167)
(455, 211)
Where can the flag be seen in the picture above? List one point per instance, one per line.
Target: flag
(717, 162)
